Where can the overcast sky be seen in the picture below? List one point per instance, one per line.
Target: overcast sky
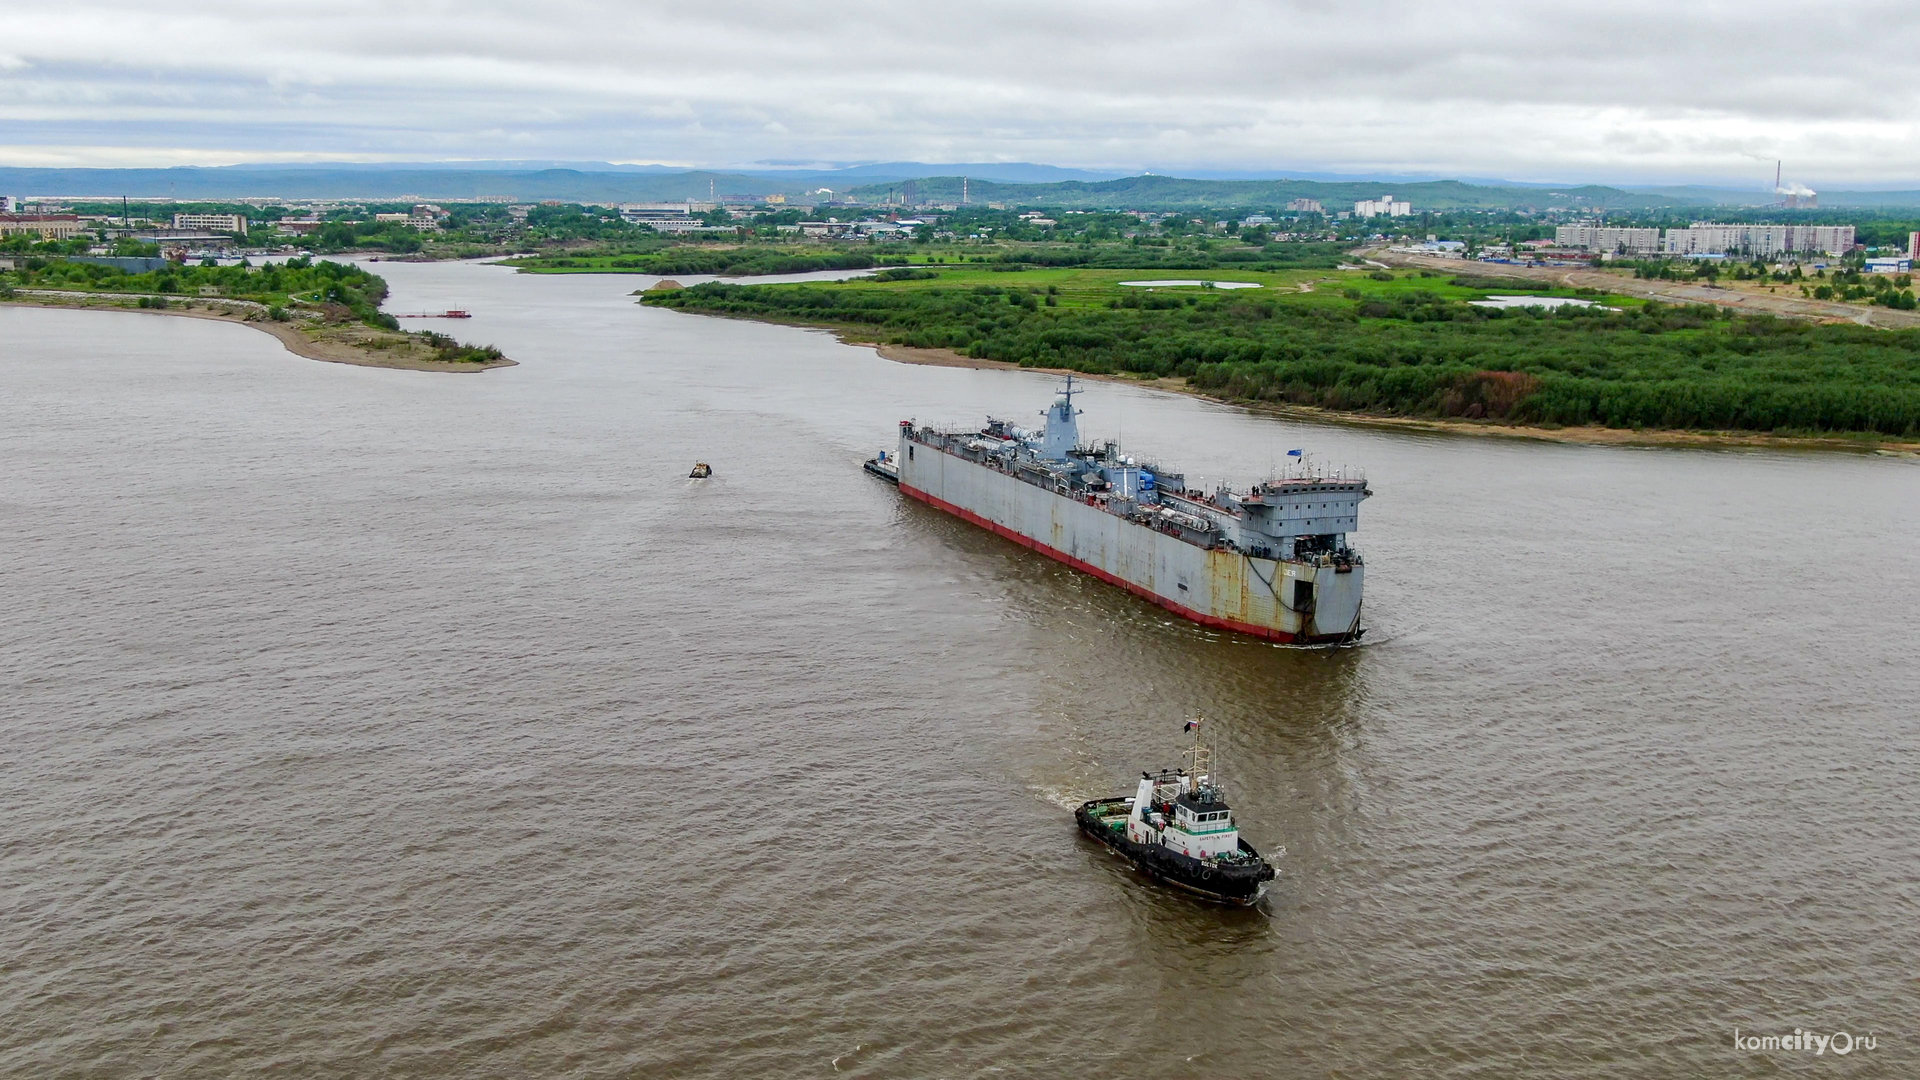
(1618, 92)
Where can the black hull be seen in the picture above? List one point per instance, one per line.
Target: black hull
(1232, 885)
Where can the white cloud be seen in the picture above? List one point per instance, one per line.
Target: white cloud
(1635, 90)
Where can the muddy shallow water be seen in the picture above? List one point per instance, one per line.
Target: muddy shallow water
(380, 722)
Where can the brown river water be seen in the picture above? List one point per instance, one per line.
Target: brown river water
(378, 723)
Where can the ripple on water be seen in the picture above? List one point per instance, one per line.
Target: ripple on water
(367, 721)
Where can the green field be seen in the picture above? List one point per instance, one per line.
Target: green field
(1409, 345)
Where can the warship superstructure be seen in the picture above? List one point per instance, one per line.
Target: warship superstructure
(1272, 561)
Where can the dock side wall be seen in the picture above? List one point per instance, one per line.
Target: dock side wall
(1218, 588)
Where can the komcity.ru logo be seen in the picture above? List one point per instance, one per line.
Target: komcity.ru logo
(1839, 1042)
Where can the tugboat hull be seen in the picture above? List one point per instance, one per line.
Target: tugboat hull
(1105, 821)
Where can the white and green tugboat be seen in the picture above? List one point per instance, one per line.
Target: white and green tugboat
(1178, 827)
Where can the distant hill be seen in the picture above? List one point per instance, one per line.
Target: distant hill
(1829, 200)
(1170, 192)
(1017, 172)
(528, 181)
(1835, 200)
(1016, 183)
(570, 185)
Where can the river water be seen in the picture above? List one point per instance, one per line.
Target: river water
(364, 722)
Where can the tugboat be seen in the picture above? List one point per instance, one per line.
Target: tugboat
(701, 470)
(1178, 827)
(884, 467)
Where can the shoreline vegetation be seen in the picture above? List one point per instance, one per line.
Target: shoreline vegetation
(1589, 436)
(325, 311)
(1398, 350)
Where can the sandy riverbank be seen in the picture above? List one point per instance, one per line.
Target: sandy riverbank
(1595, 436)
(364, 346)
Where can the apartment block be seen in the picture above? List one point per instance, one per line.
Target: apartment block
(1603, 238)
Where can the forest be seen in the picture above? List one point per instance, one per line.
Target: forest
(1411, 349)
(348, 290)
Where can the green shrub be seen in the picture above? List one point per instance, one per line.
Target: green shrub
(1656, 366)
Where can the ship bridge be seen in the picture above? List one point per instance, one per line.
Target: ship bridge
(1302, 515)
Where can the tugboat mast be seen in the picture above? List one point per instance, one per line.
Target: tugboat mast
(1199, 757)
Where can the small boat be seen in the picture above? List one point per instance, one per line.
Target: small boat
(883, 467)
(1177, 827)
(701, 470)
(452, 313)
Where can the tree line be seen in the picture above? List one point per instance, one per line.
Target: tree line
(1417, 354)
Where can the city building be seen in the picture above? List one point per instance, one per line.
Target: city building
(49, 226)
(229, 223)
(1913, 245)
(1760, 241)
(671, 211)
(1384, 206)
(1901, 265)
(1305, 206)
(1256, 219)
(1602, 238)
(9, 204)
(683, 225)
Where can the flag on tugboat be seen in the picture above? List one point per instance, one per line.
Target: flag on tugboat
(1192, 725)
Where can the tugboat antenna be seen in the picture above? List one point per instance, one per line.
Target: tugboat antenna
(1200, 758)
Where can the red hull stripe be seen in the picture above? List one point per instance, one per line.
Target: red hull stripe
(1054, 553)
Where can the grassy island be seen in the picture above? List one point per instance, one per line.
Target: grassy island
(320, 310)
(1382, 344)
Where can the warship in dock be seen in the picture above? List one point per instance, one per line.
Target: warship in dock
(1272, 561)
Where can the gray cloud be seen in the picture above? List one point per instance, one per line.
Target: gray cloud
(1637, 90)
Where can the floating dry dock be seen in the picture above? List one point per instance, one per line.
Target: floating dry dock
(1272, 561)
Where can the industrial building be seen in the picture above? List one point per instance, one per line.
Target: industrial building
(664, 211)
(49, 226)
(230, 223)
